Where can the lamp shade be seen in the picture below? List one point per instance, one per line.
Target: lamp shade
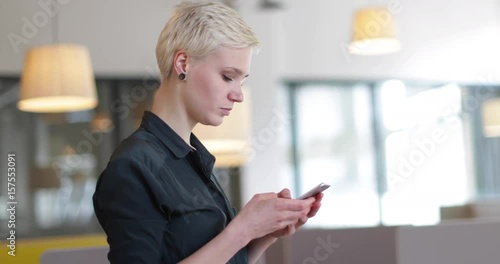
(373, 32)
(229, 141)
(491, 118)
(57, 78)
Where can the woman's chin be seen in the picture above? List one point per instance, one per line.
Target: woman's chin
(217, 121)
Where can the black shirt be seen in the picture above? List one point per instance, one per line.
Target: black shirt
(158, 200)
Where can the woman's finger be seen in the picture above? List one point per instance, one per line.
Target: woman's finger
(314, 209)
(285, 193)
(319, 197)
(296, 205)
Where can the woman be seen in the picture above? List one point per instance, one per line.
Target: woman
(157, 199)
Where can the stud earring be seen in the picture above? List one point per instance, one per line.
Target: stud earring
(182, 76)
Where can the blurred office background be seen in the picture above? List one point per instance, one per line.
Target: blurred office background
(404, 138)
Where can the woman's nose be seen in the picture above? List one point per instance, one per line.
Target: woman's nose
(236, 95)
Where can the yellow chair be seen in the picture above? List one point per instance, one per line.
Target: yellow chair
(30, 250)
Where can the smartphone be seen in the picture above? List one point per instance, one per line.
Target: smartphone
(319, 188)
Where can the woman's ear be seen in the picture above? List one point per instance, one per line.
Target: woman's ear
(180, 62)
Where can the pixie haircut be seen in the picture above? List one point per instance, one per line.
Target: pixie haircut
(199, 29)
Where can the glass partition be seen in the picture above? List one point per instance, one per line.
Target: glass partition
(394, 152)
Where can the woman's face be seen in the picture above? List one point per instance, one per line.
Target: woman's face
(213, 84)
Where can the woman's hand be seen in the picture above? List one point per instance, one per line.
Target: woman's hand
(291, 229)
(270, 212)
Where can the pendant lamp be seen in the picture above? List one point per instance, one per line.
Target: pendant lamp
(57, 78)
(373, 32)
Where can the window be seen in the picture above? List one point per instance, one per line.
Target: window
(334, 144)
(394, 153)
(425, 152)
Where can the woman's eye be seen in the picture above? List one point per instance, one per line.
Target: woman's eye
(225, 78)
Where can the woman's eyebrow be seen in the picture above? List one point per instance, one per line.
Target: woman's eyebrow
(238, 71)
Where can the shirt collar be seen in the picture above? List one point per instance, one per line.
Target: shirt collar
(156, 126)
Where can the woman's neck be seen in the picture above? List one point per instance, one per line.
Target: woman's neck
(169, 107)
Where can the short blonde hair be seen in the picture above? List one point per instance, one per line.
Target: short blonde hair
(199, 29)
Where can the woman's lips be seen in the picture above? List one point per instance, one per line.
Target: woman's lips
(226, 111)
